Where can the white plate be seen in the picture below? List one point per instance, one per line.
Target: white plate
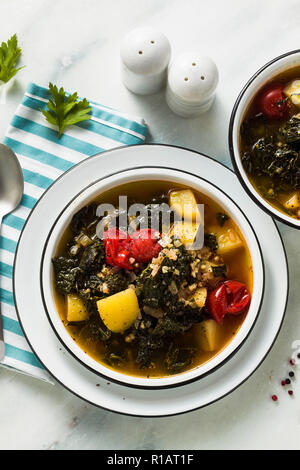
(88, 385)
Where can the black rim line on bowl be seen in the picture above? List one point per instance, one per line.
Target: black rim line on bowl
(231, 147)
(120, 412)
(120, 382)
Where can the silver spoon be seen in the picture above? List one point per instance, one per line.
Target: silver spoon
(11, 191)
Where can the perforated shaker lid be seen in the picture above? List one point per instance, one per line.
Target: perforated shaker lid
(145, 51)
(193, 77)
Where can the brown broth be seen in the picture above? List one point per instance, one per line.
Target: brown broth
(263, 183)
(239, 268)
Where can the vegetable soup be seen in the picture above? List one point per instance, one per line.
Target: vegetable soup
(145, 304)
(270, 142)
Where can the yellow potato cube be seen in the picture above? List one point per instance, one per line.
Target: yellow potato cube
(185, 232)
(293, 202)
(76, 310)
(199, 296)
(228, 241)
(209, 335)
(292, 91)
(119, 311)
(185, 205)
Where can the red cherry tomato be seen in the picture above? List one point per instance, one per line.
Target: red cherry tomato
(238, 297)
(217, 303)
(272, 102)
(117, 248)
(121, 249)
(231, 297)
(144, 245)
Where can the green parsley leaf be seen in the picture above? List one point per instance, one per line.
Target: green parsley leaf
(9, 53)
(63, 111)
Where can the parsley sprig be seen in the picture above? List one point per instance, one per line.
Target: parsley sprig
(9, 54)
(63, 110)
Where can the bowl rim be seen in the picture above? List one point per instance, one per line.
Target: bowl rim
(249, 188)
(183, 381)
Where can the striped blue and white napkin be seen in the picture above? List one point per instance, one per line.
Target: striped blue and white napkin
(43, 158)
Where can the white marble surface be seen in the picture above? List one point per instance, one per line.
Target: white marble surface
(75, 43)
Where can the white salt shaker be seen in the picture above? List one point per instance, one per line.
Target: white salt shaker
(145, 56)
(192, 80)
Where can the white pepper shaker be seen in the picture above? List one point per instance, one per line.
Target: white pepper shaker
(145, 56)
(192, 80)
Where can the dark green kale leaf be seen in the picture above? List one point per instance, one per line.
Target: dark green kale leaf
(281, 163)
(116, 354)
(253, 128)
(116, 282)
(153, 214)
(146, 346)
(222, 218)
(178, 358)
(168, 326)
(93, 257)
(210, 241)
(219, 271)
(149, 290)
(155, 291)
(290, 131)
(158, 337)
(160, 199)
(257, 161)
(66, 272)
(186, 314)
(91, 286)
(94, 329)
(83, 218)
(113, 359)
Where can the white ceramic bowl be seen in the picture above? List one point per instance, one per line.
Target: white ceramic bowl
(85, 196)
(256, 82)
